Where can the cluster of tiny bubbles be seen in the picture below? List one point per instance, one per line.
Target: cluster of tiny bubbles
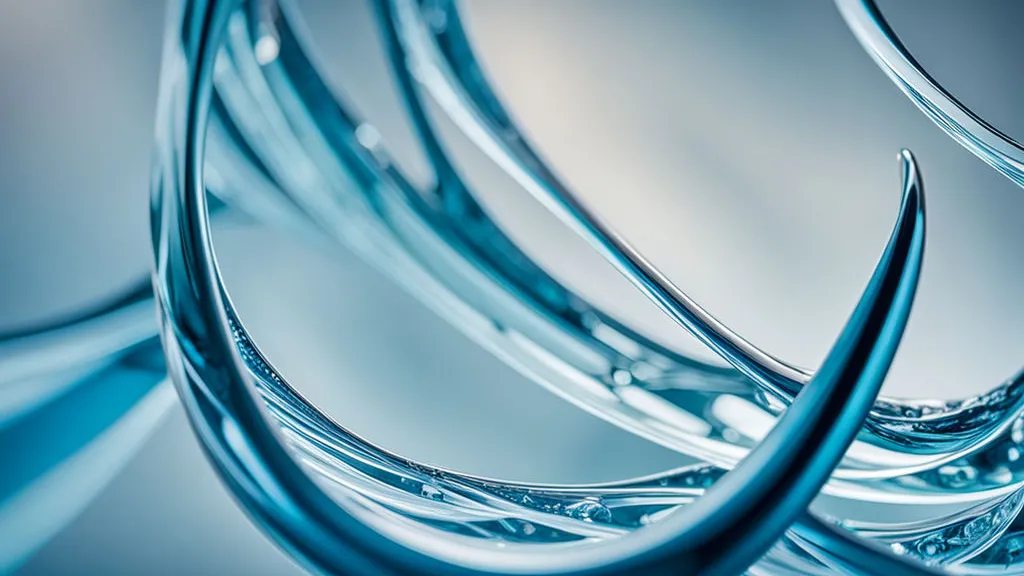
(977, 527)
(1000, 464)
(589, 510)
(935, 547)
(1008, 550)
(932, 548)
(249, 355)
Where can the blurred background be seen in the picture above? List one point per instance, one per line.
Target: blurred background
(748, 148)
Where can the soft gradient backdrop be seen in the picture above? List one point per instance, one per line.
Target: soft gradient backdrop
(748, 148)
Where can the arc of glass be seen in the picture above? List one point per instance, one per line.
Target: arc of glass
(287, 94)
(241, 199)
(75, 355)
(732, 525)
(443, 64)
(959, 122)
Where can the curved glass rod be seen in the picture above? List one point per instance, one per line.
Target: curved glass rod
(996, 149)
(77, 399)
(567, 347)
(94, 336)
(565, 511)
(633, 503)
(99, 336)
(438, 58)
(85, 354)
(908, 537)
(201, 339)
(312, 147)
(81, 395)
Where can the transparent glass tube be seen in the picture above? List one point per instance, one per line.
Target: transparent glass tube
(211, 358)
(546, 331)
(432, 56)
(447, 252)
(959, 122)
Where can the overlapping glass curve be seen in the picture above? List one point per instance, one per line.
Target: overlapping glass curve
(465, 269)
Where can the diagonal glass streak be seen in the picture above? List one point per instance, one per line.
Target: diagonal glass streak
(438, 61)
(65, 450)
(959, 122)
(80, 396)
(41, 508)
(604, 498)
(39, 364)
(570, 351)
(919, 437)
(220, 174)
(980, 533)
(209, 349)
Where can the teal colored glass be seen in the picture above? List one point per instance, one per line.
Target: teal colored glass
(228, 385)
(213, 376)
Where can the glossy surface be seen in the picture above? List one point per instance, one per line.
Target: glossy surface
(454, 259)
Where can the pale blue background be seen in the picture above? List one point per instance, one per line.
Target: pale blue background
(748, 148)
